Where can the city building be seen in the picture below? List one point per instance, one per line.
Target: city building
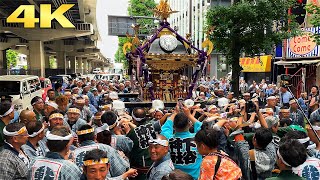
(191, 18)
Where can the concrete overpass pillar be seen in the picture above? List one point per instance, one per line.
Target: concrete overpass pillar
(79, 67)
(36, 58)
(85, 66)
(47, 61)
(3, 62)
(2, 58)
(61, 61)
(72, 60)
(89, 67)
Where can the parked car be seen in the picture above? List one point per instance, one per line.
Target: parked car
(45, 85)
(22, 88)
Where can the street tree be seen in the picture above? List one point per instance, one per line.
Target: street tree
(250, 28)
(313, 18)
(12, 58)
(53, 62)
(136, 8)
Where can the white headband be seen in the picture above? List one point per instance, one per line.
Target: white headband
(34, 134)
(114, 124)
(56, 115)
(280, 157)
(74, 110)
(304, 140)
(8, 112)
(20, 131)
(104, 127)
(137, 119)
(53, 137)
(316, 128)
(52, 104)
(312, 146)
(38, 101)
(158, 110)
(159, 141)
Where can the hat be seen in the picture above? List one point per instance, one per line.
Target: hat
(157, 104)
(292, 101)
(246, 94)
(113, 95)
(212, 107)
(94, 89)
(271, 121)
(271, 98)
(117, 104)
(189, 103)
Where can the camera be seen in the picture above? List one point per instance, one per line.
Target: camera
(284, 80)
(250, 107)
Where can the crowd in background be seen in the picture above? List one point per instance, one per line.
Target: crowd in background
(87, 131)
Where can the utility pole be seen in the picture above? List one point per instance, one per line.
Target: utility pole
(190, 17)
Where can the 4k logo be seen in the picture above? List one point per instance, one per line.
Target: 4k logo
(46, 16)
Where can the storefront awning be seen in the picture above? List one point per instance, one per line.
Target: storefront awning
(297, 62)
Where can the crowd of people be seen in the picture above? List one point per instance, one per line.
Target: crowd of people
(86, 132)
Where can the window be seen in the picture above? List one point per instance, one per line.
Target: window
(9, 87)
(24, 87)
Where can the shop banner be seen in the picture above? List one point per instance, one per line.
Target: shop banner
(303, 45)
(256, 64)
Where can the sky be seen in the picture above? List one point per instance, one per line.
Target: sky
(109, 44)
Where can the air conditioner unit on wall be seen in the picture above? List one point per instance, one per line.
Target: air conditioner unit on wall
(290, 66)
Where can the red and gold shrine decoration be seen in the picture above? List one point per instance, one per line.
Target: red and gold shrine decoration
(256, 64)
(303, 44)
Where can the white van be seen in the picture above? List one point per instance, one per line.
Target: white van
(108, 77)
(96, 71)
(22, 88)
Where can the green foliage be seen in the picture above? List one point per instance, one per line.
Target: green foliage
(250, 28)
(53, 63)
(120, 57)
(25, 67)
(136, 8)
(314, 18)
(12, 57)
(141, 7)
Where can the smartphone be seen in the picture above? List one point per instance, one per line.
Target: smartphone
(180, 105)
